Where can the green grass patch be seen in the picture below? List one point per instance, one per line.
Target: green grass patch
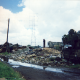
(5, 53)
(77, 66)
(9, 73)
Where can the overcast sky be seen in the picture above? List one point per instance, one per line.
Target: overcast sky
(43, 19)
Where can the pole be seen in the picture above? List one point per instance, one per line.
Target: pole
(43, 43)
(7, 35)
(8, 30)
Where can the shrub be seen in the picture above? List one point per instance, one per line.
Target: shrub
(52, 59)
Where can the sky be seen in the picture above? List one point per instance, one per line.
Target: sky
(34, 20)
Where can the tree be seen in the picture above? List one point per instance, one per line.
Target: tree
(71, 32)
(70, 38)
(65, 39)
(78, 32)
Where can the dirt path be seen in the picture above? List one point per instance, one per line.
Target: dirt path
(37, 74)
(40, 74)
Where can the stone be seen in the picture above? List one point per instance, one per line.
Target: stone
(19, 58)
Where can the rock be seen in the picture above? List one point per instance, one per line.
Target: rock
(26, 61)
(19, 58)
(42, 57)
(49, 65)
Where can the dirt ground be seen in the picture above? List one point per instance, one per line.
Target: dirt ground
(37, 74)
(41, 74)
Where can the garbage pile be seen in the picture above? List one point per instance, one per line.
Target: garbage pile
(9, 47)
(40, 56)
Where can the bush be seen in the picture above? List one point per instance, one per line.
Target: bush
(58, 59)
(52, 59)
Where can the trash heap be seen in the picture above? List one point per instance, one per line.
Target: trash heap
(40, 56)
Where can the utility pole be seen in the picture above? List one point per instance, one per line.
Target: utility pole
(7, 36)
(43, 43)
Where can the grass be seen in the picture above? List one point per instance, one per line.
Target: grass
(9, 73)
(5, 53)
(76, 66)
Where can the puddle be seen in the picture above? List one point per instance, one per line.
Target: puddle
(16, 64)
(53, 69)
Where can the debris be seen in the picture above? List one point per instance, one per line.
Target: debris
(45, 57)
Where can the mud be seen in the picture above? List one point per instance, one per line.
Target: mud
(31, 72)
(38, 74)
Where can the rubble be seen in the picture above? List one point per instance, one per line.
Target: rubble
(44, 57)
(9, 47)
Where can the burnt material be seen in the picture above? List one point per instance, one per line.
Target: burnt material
(3, 48)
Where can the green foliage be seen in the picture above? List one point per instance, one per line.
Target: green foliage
(28, 45)
(75, 66)
(5, 53)
(70, 38)
(8, 73)
(73, 39)
(71, 32)
(57, 47)
(52, 59)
